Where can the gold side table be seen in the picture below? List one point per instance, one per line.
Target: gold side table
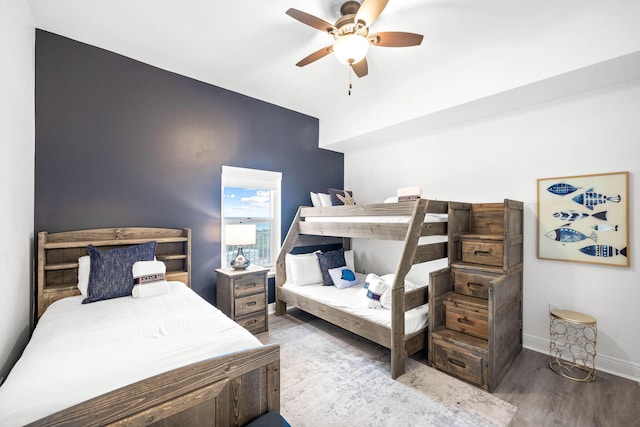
(572, 345)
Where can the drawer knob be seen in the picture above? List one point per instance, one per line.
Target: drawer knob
(457, 363)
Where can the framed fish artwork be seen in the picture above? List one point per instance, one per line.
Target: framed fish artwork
(584, 218)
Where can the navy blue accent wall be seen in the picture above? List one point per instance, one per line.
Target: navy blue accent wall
(121, 143)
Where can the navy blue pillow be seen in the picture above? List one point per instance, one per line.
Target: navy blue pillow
(329, 260)
(110, 275)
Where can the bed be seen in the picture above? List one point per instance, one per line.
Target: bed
(422, 227)
(171, 359)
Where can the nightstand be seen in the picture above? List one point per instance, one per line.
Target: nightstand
(242, 295)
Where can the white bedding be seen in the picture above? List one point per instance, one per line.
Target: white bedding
(350, 301)
(389, 219)
(82, 351)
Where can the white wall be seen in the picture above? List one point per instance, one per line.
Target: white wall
(17, 36)
(502, 157)
(572, 39)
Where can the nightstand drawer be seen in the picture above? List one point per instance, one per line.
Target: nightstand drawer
(254, 323)
(248, 284)
(250, 304)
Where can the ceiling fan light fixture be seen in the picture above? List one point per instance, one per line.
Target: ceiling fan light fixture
(351, 48)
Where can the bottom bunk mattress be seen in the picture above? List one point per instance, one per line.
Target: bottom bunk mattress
(80, 351)
(353, 300)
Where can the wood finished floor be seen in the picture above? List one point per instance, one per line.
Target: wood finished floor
(544, 398)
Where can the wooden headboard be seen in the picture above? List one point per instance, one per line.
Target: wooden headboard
(58, 255)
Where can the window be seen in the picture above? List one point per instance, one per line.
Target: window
(252, 196)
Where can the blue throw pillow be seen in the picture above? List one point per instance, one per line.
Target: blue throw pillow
(111, 270)
(329, 260)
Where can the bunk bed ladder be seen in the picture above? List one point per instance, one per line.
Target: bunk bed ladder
(414, 230)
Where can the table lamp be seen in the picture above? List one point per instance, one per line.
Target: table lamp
(240, 235)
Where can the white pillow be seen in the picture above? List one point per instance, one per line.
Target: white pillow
(348, 257)
(303, 269)
(315, 200)
(343, 277)
(84, 268)
(325, 199)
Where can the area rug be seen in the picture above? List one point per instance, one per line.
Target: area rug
(330, 377)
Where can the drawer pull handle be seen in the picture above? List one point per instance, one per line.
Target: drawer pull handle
(250, 303)
(252, 322)
(474, 285)
(250, 285)
(482, 253)
(457, 363)
(466, 321)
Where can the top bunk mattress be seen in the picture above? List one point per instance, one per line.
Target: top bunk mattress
(80, 351)
(351, 300)
(383, 219)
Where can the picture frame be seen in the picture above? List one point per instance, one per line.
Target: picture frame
(584, 218)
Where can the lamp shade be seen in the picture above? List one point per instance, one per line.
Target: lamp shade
(350, 49)
(240, 234)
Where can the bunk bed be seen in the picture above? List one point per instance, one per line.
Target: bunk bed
(207, 369)
(408, 222)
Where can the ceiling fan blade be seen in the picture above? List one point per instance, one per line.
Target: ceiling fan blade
(320, 53)
(369, 11)
(395, 39)
(311, 20)
(361, 68)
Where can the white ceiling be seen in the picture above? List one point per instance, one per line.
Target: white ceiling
(251, 47)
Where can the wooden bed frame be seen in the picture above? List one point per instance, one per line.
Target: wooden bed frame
(229, 390)
(313, 234)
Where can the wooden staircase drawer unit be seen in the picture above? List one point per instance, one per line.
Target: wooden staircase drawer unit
(250, 304)
(483, 251)
(459, 362)
(254, 323)
(249, 284)
(472, 283)
(468, 315)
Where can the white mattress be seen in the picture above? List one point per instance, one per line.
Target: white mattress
(82, 351)
(388, 219)
(350, 300)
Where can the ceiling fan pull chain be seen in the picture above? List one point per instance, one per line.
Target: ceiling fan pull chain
(350, 85)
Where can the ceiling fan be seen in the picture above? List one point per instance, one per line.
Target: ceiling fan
(351, 34)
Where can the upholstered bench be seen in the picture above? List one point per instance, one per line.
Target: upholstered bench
(270, 419)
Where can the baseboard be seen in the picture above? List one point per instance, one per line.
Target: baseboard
(604, 363)
(271, 308)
